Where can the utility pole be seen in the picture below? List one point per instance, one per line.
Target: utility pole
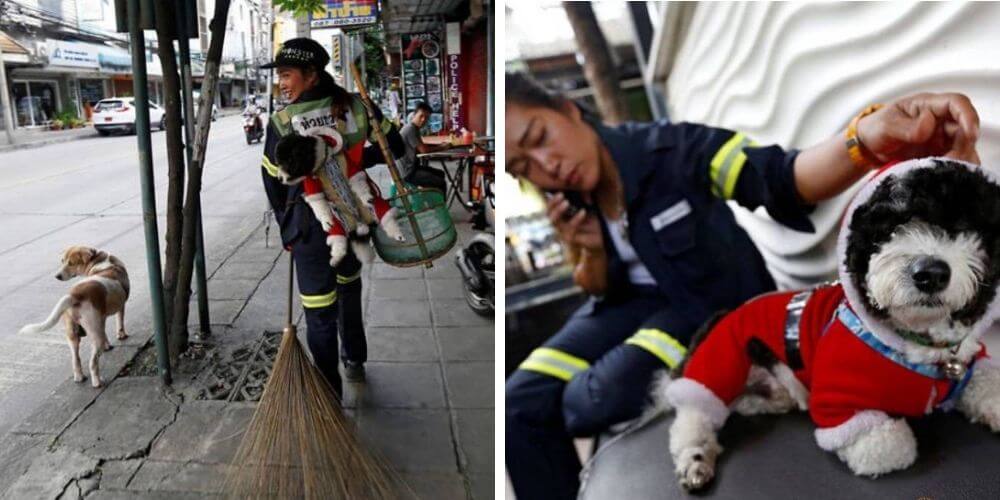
(8, 115)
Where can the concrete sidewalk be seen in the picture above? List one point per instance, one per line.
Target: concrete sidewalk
(427, 406)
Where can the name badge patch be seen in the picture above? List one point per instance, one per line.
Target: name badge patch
(672, 214)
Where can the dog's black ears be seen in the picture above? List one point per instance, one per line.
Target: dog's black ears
(296, 155)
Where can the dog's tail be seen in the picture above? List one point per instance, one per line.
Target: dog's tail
(64, 303)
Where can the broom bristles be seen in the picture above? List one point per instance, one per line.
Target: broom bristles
(299, 443)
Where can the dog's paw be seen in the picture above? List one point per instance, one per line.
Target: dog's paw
(122, 335)
(79, 378)
(391, 226)
(887, 447)
(96, 382)
(695, 468)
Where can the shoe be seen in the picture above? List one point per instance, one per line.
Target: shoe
(354, 372)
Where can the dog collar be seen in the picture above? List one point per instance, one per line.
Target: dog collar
(850, 320)
(922, 339)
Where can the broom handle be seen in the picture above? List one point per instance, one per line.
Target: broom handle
(390, 162)
(291, 278)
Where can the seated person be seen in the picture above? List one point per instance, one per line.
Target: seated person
(656, 244)
(412, 170)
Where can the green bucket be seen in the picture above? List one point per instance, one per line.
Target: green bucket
(435, 225)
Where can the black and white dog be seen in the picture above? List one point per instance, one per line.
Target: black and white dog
(899, 336)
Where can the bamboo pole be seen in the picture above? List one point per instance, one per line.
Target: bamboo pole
(401, 189)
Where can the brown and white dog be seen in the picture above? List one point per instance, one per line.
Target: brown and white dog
(88, 304)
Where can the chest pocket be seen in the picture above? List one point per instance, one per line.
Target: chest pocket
(674, 226)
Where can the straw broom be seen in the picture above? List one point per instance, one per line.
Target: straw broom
(299, 443)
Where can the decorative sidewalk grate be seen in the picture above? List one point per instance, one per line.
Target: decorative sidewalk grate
(243, 377)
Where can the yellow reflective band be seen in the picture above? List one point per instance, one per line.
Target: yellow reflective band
(660, 344)
(554, 363)
(271, 168)
(315, 301)
(343, 280)
(727, 164)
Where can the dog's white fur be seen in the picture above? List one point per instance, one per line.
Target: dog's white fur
(892, 289)
(102, 293)
(871, 443)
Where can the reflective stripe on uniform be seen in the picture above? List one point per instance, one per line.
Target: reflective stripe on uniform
(343, 280)
(271, 168)
(554, 362)
(727, 164)
(316, 301)
(660, 344)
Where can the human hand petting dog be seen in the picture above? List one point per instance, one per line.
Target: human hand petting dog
(923, 125)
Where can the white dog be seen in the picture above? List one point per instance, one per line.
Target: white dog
(898, 337)
(88, 304)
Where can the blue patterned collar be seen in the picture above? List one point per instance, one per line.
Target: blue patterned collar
(853, 323)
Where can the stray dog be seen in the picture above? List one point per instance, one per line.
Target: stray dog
(897, 337)
(88, 304)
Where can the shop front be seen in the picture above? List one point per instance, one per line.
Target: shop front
(77, 76)
(35, 101)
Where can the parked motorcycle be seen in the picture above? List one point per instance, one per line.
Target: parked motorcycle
(253, 126)
(476, 259)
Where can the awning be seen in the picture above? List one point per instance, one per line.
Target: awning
(415, 16)
(13, 52)
(114, 61)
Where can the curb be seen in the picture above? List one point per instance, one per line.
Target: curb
(46, 142)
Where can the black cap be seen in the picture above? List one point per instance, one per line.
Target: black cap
(302, 53)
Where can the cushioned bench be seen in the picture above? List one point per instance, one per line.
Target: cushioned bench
(776, 457)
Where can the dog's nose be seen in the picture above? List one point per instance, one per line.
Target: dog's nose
(930, 274)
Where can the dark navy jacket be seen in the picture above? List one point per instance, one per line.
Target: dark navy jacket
(677, 178)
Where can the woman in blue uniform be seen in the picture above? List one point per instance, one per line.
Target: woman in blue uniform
(659, 249)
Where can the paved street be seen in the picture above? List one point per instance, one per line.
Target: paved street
(87, 192)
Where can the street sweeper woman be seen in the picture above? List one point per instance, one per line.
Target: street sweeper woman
(320, 115)
(642, 209)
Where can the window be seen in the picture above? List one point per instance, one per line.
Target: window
(106, 105)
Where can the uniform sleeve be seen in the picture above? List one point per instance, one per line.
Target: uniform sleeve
(732, 166)
(277, 191)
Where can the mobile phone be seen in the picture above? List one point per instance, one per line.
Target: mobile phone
(575, 200)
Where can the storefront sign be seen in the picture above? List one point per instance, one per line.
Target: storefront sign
(423, 78)
(73, 54)
(345, 13)
(454, 93)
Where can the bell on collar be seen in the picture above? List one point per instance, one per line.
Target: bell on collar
(953, 369)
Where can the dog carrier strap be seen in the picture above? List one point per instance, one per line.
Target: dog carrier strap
(793, 316)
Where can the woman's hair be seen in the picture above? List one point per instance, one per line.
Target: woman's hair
(526, 91)
(341, 97)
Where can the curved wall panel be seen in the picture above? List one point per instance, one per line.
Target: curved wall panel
(794, 73)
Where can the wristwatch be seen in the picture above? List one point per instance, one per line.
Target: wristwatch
(860, 155)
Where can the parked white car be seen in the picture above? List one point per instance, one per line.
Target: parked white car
(118, 114)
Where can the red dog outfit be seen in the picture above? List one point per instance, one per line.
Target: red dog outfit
(846, 376)
(850, 360)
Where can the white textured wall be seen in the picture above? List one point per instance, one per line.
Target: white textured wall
(795, 73)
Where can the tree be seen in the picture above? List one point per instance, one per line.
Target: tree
(192, 198)
(184, 201)
(598, 66)
(166, 32)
